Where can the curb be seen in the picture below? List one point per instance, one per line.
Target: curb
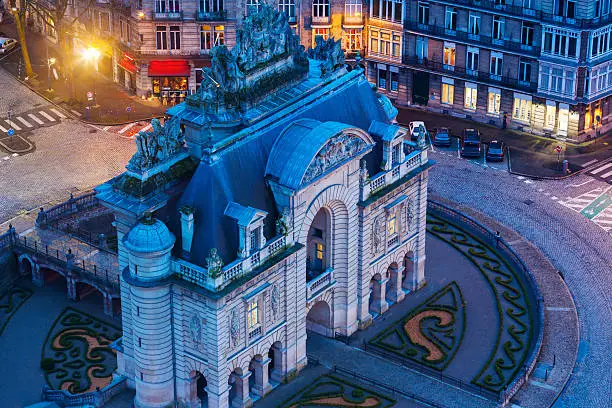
(563, 177)
(147, 119)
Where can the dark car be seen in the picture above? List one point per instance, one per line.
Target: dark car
(441, 137)
(470, 143)
(495, 152)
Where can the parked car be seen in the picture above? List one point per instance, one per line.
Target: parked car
(442, 137)
(495, 152)
(417, 128)
(7, 44)
(470, 143)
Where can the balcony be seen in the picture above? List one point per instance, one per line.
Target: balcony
(469, 38)
(470, 75)
(211, 15)
(168, 16)
(320, 282)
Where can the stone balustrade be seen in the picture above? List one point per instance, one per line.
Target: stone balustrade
(322, 281)
(382, 179)
(199, 275)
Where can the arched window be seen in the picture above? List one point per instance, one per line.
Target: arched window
(320, 8)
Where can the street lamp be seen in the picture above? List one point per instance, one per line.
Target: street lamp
(50, 62)
(92, 55)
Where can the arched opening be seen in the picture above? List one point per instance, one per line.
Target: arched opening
(201, 392)
(393, 289)
(408, 272)
(378, 303)
(275, 367)
(259, 383)
(53, 278)
(25, 267)
(116, 304)
(84, 290)
(318, 245)
(318, 319)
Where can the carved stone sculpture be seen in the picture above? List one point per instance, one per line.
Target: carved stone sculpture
(329, 51)
(214, 264)
(156, 146)
(283, 224)
(195, 327)
(409, 215)
(378, 234)
(234, 328)
(274, 301)
(337, 149)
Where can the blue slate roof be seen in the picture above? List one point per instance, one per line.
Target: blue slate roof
(238, 174)
(385, 131)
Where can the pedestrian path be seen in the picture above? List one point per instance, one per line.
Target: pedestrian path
(40, 117)
(595, 205)
(603, 171)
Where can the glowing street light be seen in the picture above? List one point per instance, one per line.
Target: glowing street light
(92, 54)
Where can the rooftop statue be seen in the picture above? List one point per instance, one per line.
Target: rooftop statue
(263, 39)
(157, 145)
(329, 51)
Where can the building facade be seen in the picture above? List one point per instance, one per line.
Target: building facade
(249, 220)
(537, 66)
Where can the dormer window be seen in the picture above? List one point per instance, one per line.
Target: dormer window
(254, 238)
(396, 154)
(250, 228)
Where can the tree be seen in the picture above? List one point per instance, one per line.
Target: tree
(19, 14)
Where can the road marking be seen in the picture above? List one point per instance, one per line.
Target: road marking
(600, 169)
(3, 129)
(608, 174)
(15, 154)
(105, 128)
(589, 162)
(542, 385)
(76, 113)
(520, 177)
(126, 128)
(35, 119)
(144, 129)
(47, 116)
(13, 125)
(528, 181)
(598, 205)
(554, 198)
(559, 309)
(25, 122)
(58, 113)
(581, 184)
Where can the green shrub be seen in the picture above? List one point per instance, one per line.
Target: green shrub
(357, 393)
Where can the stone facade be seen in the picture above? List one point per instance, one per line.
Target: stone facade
(534, 66)
(222, 283)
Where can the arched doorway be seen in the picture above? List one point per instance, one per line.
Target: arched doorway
(26, 267)
(393, 289)
(378, 303)
(318, 255)
(239, 381)
(201, 392)
(319, 319)
(408, 272)
(259, 383)
(275, 368)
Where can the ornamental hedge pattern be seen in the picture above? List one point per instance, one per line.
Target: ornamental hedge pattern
(332, 391)
(10, 301)
(429, 334)
(76, 355)
(513, 304)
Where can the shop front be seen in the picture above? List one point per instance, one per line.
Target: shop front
(127, 72)
(170, 80)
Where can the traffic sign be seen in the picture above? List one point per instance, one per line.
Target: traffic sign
(128, 109)
(11, 132)
(90, 96)
(558, 149)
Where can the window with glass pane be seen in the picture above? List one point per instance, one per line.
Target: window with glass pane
(252, 6)
(161, 38)
(421, 47)
(252, 314)
(205, 37)
(544, 77)
(472, 59)
(395, 153)
(474, 24)
(397, 41)
(556, 80)
(353, 8)
(320, 32)
(522, 108)
(219, 35)
(374, 38)
(173, 6)
(287, 7)
(494, 101)
(394, 81)
(524, 71)
(423, 13)
(497, 60)
(175, 38)
(451, 18)
(320, 8)
(352, 39)
(551, 110)
(448, 93)
(160, 6)
(391, 225)
(471, 96)
(449, 54)
(385, 43)
(382, 78)
(569, 82)
(498, 27)
(527, 34)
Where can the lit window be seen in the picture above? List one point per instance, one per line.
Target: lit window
(448, 91)
(449, 54)
(353, 8)
(471, 93)
(494, 102)
(391, 225)
(551, 112)
(320, 32)
(352, 39)
(522, 107)
(253, 314)
(319, 251)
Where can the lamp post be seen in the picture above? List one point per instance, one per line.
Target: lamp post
(50, 62)
(92, 55)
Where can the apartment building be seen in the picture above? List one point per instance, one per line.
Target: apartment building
(539, 66)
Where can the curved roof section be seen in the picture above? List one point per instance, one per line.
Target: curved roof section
(149, 237)
(298, 145)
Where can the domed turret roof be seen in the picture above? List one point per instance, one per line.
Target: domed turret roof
(150, 235)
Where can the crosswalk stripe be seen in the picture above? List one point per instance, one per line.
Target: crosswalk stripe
(608, 174)
(600, 169)
(3, 129)
(144, 129)
(125, 129)
(597, 220)
(105, 128)
(583, 200)
(589, 162)
(47, 116)
(58, 113)
(25, 122)
(35, 119)
(13, 125)
(76, 113)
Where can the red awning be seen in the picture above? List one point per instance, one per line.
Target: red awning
(127, 63)
(169, 68)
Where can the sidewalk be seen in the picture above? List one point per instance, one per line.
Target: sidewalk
(112, 100)
(532, 156)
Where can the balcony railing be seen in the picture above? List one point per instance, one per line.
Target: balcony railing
(380, 180)
(464, 36)
(174, 15)
(322, 281)
(211, 15)
(471, 75)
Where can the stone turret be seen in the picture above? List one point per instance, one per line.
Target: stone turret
(149, 245)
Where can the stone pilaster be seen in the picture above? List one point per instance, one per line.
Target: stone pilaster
(260, 369)
(396, 294)
(243, 398)
(379, 303)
